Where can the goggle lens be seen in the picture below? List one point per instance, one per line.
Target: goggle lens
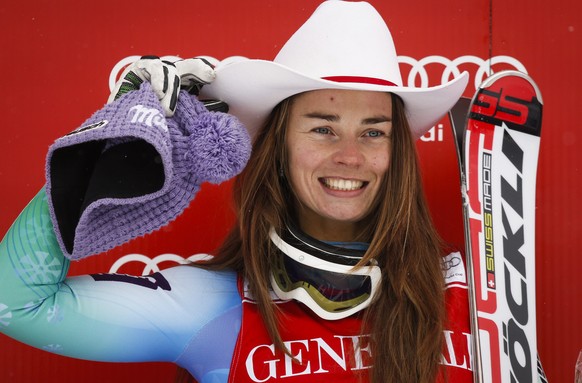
(337, 287)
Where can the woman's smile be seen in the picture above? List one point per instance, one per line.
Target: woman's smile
(342, 184)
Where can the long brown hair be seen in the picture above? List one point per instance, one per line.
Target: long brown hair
(406, 318)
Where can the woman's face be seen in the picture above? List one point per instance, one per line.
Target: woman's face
(338, 144)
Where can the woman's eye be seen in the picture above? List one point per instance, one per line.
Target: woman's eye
(322, 130)
(375, 133)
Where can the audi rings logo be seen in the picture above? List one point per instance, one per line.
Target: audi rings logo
(478, 68)
(454, 270)
(428, 71)
(152, 265)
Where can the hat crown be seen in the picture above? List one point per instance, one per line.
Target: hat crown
(343, 45)
(343, 39)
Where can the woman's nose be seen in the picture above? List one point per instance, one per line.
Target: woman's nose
(348, 152)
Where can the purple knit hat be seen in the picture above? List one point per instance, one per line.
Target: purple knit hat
(128, 170)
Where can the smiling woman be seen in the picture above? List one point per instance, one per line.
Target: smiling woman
(308, 142)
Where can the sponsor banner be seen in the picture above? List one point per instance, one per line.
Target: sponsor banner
(60, 60)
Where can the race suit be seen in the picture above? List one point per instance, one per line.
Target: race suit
(203, 321)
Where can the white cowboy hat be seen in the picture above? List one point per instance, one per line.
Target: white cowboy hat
(343, 45)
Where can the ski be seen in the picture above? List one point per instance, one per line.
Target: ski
(497, 136)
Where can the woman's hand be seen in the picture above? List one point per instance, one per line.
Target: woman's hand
(166, 79)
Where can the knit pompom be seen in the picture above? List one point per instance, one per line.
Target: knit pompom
(218, 147)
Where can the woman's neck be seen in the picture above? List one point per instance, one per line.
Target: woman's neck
(327, 230)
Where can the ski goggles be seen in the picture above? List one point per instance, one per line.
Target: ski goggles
(321, 276)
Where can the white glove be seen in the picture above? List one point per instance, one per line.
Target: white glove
(194, 74)
(166, 79)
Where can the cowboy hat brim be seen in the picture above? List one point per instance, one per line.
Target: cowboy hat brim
(252, 88)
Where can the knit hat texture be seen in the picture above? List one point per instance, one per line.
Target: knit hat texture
(192, 147)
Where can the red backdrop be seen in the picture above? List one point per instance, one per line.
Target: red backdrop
(57, 57)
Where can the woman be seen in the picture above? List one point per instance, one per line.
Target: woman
(333, 271)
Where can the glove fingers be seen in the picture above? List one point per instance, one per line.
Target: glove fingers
(215, 105)
(163, 77)
(195, 73)
(167, 79)
(131, 79)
